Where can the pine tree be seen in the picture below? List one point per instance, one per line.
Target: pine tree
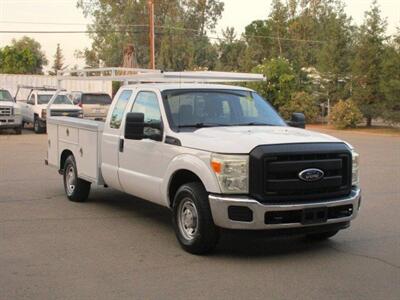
(367, 64)
(334, 56)
(58, 60)
(390, 81)
(278, 22)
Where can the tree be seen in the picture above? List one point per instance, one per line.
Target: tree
(58, 60)
(280, 84)
(258, 44)
(333, 59)
(390, 80)
(23, 56)
(345, 114)
(181, 27)
(367, 64)
(278, 22)
(301, 102)
(231, 51)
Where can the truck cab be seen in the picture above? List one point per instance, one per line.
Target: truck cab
(10, 112)
(219, 156)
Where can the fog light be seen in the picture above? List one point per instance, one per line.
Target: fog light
(240, 213)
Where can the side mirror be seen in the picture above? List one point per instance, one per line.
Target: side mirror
(134, 126)
(298, 120)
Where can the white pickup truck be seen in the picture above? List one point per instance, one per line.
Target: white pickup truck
(10, 112)
(34, 108)
(218, 156)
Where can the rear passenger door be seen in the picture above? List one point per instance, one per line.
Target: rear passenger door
(142, 163)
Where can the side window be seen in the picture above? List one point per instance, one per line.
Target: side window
(147, 103)
(31, 99)
(119, 109)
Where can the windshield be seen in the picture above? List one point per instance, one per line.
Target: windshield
(102, 99)
(209, 108)
(61, 99)
(5, 96)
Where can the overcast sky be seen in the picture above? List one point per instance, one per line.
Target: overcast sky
(237, 13)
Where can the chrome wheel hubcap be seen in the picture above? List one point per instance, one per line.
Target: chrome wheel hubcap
(188, 219)
(70, 180)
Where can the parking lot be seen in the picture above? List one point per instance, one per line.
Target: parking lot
(118, 247)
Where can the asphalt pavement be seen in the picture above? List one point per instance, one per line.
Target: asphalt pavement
(118, 247)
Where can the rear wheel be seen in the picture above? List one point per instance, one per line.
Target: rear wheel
(322, 235)
(193, 223)
(77, 189)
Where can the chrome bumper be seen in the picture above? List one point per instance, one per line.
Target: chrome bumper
(219, 209)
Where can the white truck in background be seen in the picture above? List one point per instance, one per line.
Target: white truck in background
(10, 112)
(218, 156)
(34, 108)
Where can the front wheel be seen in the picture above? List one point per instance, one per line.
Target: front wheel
(193, 223)
(37, 128)
(18, 130)
(77, 189)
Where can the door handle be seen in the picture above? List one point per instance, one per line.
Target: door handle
(121, 145)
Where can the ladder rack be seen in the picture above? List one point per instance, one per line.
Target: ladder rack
(135, 75)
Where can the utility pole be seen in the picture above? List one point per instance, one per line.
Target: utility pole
(150, 4)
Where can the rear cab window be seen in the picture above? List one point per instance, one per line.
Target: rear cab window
(99, 99)
(119, 109)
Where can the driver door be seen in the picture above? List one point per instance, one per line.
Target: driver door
(141, 162)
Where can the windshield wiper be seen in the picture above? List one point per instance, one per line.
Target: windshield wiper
(254, 124)
(202, 125)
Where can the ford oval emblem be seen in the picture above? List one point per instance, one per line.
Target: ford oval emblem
(311, 175)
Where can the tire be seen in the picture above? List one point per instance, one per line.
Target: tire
(36, 126)
(321, 236)
(76, 189)
(192, 220)
(18, 130)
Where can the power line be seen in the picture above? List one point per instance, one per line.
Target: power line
(157, 33)
(68, 23)
(140, 26)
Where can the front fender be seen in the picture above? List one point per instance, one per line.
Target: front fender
(199, 165)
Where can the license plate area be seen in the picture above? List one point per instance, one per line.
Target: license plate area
(314, 215)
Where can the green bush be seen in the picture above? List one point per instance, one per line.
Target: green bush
(300, 102)
(345, 114)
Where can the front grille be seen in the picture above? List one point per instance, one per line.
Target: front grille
(5, 111)
(274, 172)
(65, 113)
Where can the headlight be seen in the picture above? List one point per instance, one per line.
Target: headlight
(44, 113)
(355, 168)
(232, 172)
(17, 111)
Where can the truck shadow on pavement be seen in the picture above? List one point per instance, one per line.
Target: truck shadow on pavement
(5, 132)
(240, 244)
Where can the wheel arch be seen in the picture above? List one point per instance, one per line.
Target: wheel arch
(63, 157)
(184, 169)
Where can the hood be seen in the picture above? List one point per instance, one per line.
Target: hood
(9, 104)
(243, 139)
(60, 107)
